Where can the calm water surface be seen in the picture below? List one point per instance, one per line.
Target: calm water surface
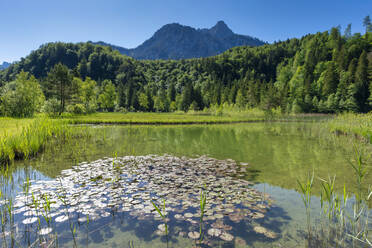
(277, 155)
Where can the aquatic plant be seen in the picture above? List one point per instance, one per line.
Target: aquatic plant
(131, 244)
(163, 215)
(62, 197)
(306, 188)
(203, 201)
(343, 223)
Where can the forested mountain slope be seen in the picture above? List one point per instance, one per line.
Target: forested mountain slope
(323, 72)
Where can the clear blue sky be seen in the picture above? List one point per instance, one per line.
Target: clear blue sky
(26, 24)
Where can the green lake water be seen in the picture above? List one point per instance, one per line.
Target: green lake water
(277, 155)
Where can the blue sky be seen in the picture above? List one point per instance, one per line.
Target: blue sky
(26, 24)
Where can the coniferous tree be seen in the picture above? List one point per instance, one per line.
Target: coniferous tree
(150, 100)
(362, 82)
(172, 92)
(347, 33)
(330, 80)
(60, 81)
(367, 24)
(186, 97)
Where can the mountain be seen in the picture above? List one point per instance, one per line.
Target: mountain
(175, 41)
(4, 65)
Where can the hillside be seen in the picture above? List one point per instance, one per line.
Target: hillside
(323, 72)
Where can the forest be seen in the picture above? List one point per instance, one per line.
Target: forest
(326, 72)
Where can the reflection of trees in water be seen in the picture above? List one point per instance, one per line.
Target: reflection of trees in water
(278, 153)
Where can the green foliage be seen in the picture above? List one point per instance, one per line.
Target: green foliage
(323, 72)
(76, 109)
(143, 101)
(51, 107)
(32, 138)
(88, 95)
(359, 125)
(107, 97)
(21, 98)
(60, 84)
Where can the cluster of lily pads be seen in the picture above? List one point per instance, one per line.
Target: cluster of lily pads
(133, 183)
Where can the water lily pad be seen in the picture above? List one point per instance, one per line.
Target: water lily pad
(45, 231)
(61, 218)
(226, 236)
(188, 215)
(214, 232)
(29, 220)
(194, 235)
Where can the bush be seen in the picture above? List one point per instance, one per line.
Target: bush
(51, 107)
(77, 109)
(120, 109)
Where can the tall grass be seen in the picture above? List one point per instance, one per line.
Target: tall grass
(213, 115)
(359, 125)
(32, 138)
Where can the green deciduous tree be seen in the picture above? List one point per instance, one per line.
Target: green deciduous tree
(143, 101)
(107, 97)
(88, 95)
(23, 97)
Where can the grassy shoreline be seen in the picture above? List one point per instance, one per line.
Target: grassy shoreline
(186, 118)
(31, 136)
(358, 125)
(24, 138)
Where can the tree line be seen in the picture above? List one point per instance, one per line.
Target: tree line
(325, 72)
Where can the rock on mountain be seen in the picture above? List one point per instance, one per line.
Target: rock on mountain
(175, 41)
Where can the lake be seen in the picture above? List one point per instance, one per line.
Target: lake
(248, 173)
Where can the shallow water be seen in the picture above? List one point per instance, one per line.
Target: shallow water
(277, 155)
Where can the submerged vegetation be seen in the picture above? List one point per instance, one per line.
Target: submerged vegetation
(175, 182)
(170, 178)
(210, 201)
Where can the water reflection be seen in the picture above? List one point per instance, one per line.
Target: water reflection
(276, 153)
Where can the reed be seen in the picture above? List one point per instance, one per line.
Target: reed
(33, 137)
(306, 188)
(344, 223)
(203, 201)
(163, 215)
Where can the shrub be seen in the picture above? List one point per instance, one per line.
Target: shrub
(51, 107)
(77, 109)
